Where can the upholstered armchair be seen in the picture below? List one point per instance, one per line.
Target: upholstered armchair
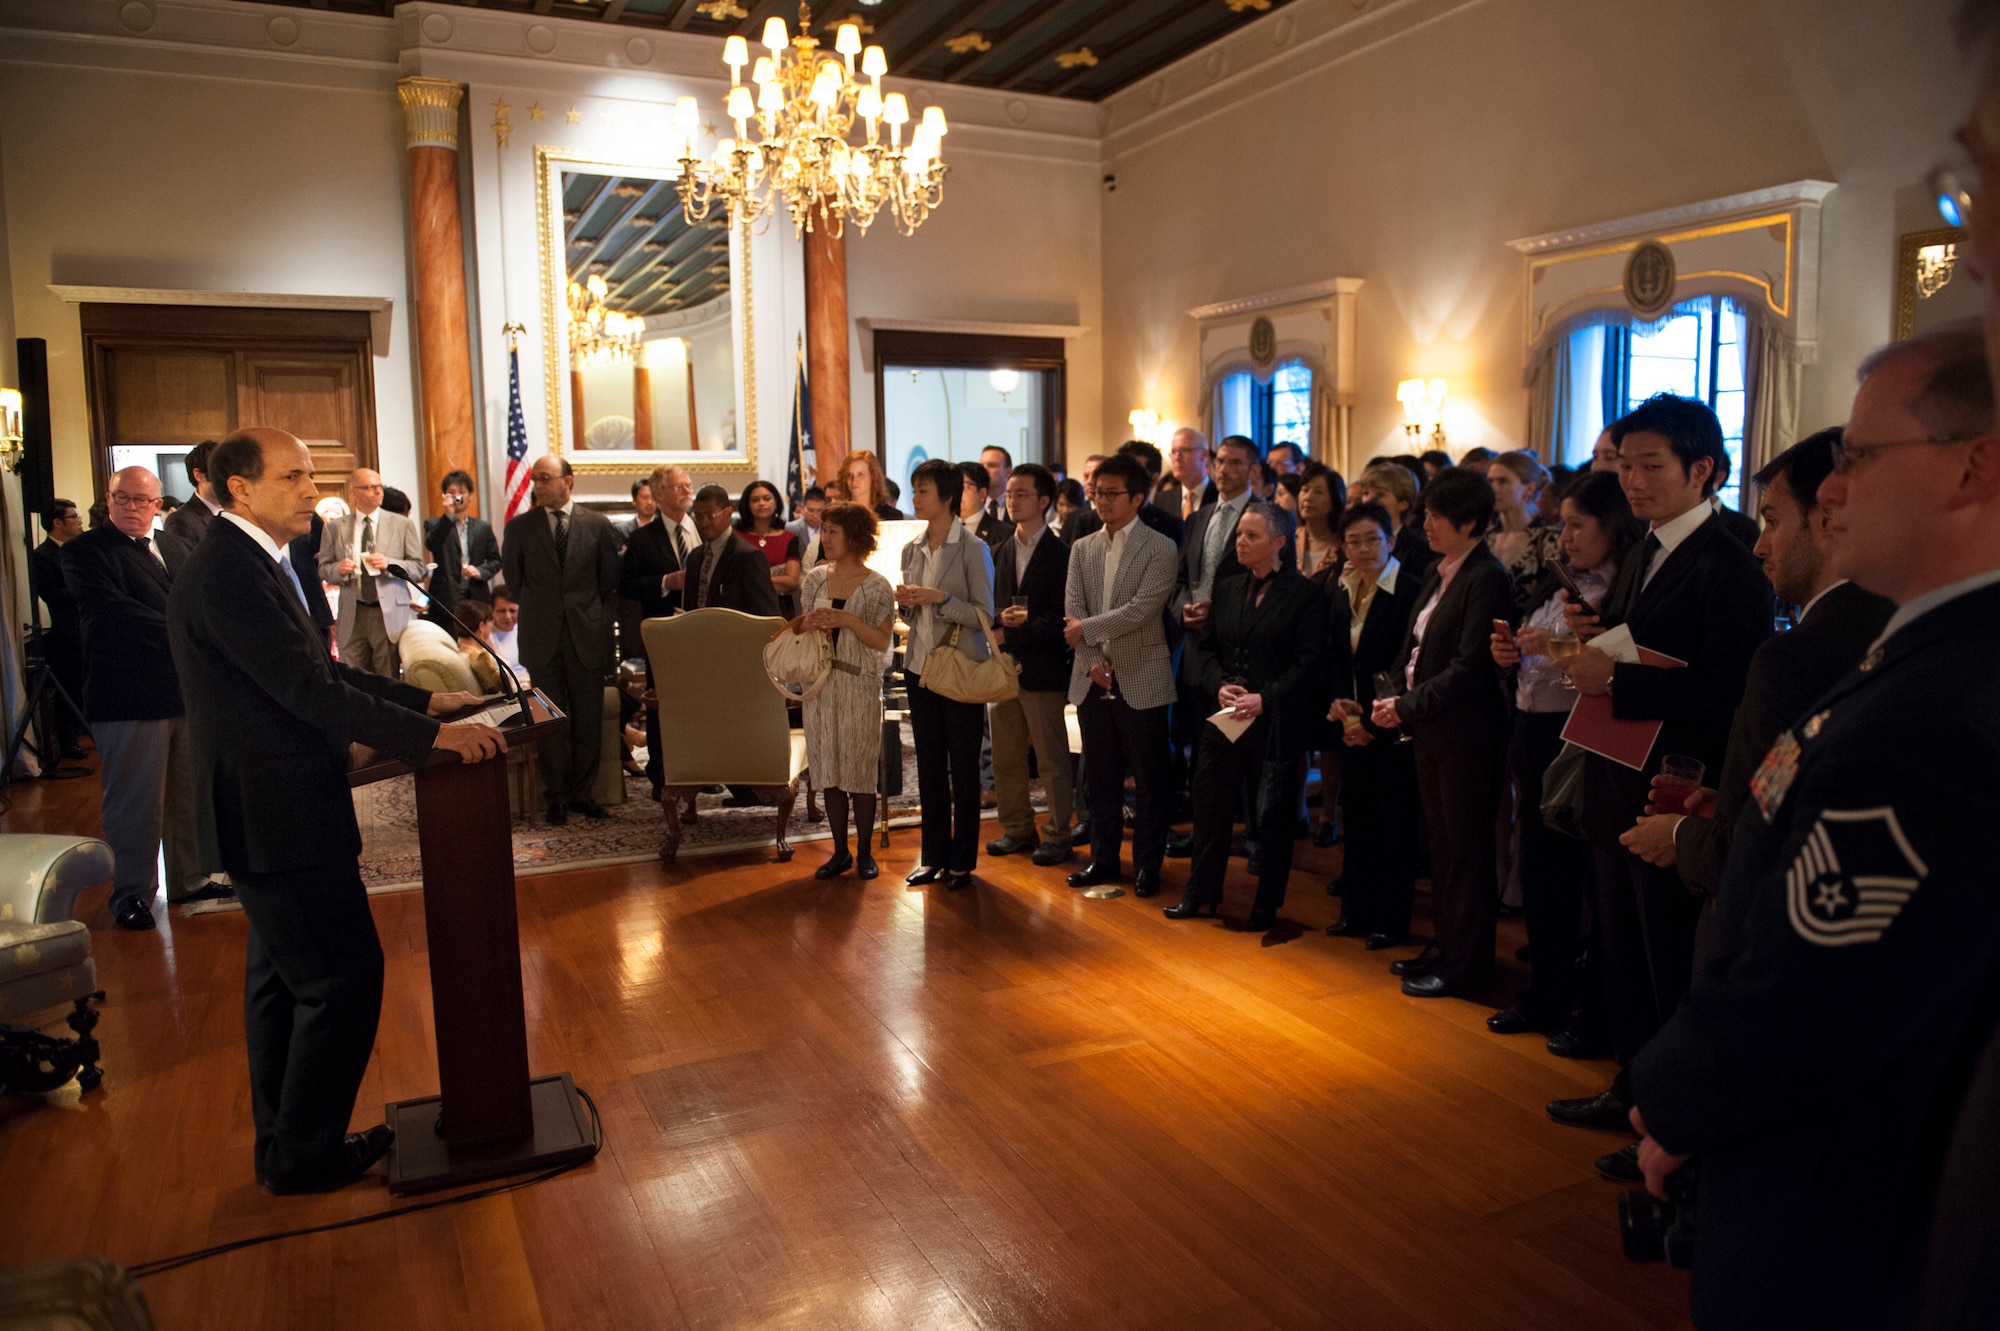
(45, 962)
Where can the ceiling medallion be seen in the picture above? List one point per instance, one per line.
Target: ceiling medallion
(971, 41)
(805, 106)
(721, 10)
(1649, 278)
(1082, 57)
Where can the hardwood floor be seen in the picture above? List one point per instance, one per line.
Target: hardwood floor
(833, 1105)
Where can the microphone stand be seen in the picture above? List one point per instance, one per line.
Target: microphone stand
(516, 694)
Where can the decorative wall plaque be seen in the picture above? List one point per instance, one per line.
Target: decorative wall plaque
(1263, 344)
(1649, 278)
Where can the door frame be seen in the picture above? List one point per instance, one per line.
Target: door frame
(978, 351)
(109, 327)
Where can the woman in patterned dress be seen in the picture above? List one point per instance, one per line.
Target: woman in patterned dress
(844, 723)
(1518, 538)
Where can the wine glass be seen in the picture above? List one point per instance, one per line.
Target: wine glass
(1564, 647)
(1389, 684)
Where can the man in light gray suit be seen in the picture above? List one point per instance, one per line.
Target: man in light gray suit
(355, 552)
(560, 561)
(1122, 682)
(806, 525)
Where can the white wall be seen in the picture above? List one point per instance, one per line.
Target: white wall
(257, 177)
(1406, 145)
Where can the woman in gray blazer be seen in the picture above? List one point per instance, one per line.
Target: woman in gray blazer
(947, 583)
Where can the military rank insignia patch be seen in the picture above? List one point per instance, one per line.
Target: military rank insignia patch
(1852, 877)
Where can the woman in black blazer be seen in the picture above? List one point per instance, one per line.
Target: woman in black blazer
(1457, 712)
(1378, 790)
(1259, 655)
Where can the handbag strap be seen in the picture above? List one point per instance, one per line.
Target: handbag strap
(985, 627)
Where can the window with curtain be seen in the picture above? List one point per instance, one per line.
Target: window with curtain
(1697, 352)
(1272, 413)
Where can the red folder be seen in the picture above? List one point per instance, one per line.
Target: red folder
(1592, 726)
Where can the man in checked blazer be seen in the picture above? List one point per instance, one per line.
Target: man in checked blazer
(1123, 679)
(560, 561)
(356, 550)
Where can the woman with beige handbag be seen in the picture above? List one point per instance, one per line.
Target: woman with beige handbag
(947, 600)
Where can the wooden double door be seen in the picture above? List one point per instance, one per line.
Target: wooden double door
(170, 376)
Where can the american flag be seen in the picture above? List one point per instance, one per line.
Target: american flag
(516, 484)
(801, 467)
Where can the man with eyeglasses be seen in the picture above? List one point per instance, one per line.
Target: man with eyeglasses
(132, 701)
(1821, 1053)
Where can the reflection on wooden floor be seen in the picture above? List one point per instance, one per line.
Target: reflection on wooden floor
(831, 1105)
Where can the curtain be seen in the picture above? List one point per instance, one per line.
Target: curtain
(1262, 403)
(1773, 371)
(1617, 370)
(1547, 380)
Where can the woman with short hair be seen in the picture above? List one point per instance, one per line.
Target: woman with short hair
(1394, 487)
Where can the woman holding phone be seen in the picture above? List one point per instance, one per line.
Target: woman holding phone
(1597, 530)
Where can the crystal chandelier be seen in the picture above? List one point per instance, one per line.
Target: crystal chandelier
(805, 105)
(598, 335)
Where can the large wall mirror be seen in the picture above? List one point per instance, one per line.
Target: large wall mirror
(617, 247)
(1932, 287)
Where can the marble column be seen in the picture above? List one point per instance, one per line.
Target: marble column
(642, 403)
(575, 410)
(437, 241)
(826, 348)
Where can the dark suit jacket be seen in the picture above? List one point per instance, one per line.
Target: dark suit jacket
(1351, 667)
(271, 714)
(1278, 646)
(1709, 605)
(128, 669)
(990, 529)
(187, 526)
(64, 615)
(1168, 497)
(1037, 645)
(1787, 675)
(577, 597)
(1458, 694)
(649, 556)
(305, 557)
(1740, 525)
(742, 579)
(449, 585)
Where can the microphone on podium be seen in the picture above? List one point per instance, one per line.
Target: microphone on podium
(514, 694)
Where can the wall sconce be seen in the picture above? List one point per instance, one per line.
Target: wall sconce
(1934, 268)
(10, 429)
(1423, 404)
(1145, 424)
(1004, 382)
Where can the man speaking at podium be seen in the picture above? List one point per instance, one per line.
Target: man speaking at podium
(271, 716)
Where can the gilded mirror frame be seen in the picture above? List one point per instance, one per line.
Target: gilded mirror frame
(550, 163)
(1907, 246)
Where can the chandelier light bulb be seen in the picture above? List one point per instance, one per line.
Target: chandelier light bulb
(826, 85)
(868, 103)
(740, 105)
(735, 54)
(687, 114)
(933, 121)
(895, 109)
(874, 63)
(774, 34)
(760, 73)
(771, 98)
(847, 41)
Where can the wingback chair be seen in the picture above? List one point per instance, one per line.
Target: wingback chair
(45, 962)
(721, 722)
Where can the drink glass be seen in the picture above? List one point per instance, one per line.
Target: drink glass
(1564, 647)
(1680, 776)
(1389, 684)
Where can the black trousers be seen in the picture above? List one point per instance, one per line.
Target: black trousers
(312, 992)
(1378, 827)
(1223, 772)
(1645, 924)
(946, 734)
(569, 766)
(1458, 777)
(1117, 738)
(1555, 877)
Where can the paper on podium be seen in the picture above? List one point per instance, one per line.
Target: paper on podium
(1231, 725)
(1592, 724)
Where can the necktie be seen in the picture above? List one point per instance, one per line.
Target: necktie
(1187, 504)
(680, 547)
(701, 590)
(562, 537)
(368, 593)
(1625, 588)
(293, 575)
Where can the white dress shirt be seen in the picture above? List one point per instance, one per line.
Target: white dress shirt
(1114, 549)
(1671, 533)
(1024, 552)
(924, 631)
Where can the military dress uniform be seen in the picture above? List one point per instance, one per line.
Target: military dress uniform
(1816, 1063)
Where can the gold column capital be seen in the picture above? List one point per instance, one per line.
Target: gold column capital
(430, 111)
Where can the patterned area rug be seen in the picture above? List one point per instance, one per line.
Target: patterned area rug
(391, 862)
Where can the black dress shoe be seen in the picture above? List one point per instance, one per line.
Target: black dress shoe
(1346, 928)
(354, 1157)
(590, 809)
(555, 815)
(1146, 883)
(1011, 845)
(1606, 1109)
(957, 882)
(1432, 985)
(1336, 886)
(1621, 1165)
(1512, 1021)
(1253, 866)
(209, 891)
(1411, 967)
(1051, 852)
(1261, 921)
(1376, 942)
(1080, 836)
(836, 866)
(1090, 875)
(136, 915)
(865, 867)
(1573, 1043)
(1192, 905)
(1180, 846)
(1325, 834)
(922, 874)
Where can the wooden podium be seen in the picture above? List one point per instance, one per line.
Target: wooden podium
(489, 1118)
